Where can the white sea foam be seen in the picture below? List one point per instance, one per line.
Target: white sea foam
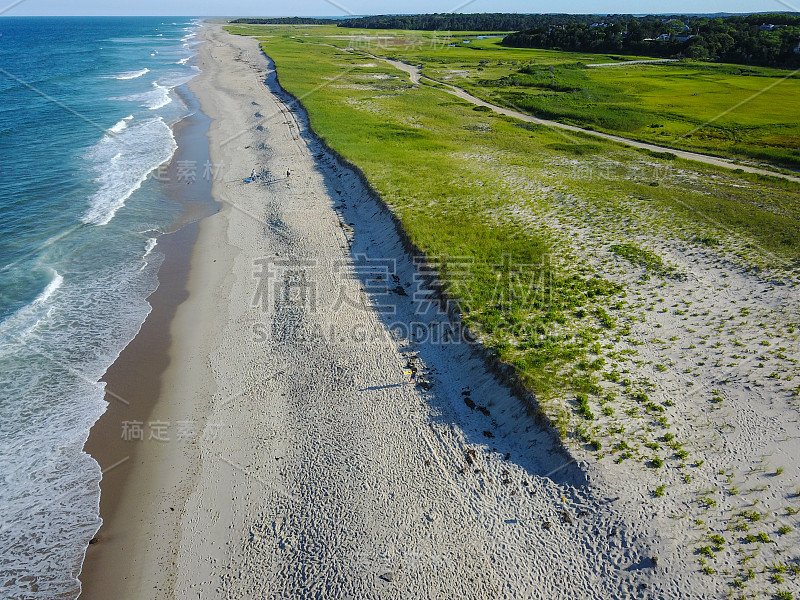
(21, 322)
(151, 244)
(122, 162)
(78, 319)
(122, 124)
(51, 288)
(153, 99)
(131, 74)
(183, 61)
(163, 97)
(35, 309)
(178, 78)
(50, 397)
(148, 249)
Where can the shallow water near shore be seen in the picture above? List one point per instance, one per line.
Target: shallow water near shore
(91, 109)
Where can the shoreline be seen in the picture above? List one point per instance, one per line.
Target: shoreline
(135, 381)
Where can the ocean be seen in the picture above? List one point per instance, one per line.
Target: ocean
(87, 110)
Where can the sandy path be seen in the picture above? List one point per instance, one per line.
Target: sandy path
(324, 472)
(623, 63)
(413, 72)
(416, 78)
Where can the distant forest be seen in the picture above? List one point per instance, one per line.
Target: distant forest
(285, 21)
(771, 39)
(766, 39)
(437, 22)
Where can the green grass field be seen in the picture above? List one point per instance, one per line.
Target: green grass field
(705, 108)
(473, 184)
(746, 113)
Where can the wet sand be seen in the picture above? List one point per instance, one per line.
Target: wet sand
(134, 382)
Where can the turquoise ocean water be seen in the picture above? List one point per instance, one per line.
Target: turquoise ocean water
(86, 110)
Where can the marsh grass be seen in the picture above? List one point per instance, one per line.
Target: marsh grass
(661, 104)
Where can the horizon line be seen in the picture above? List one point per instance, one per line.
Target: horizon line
(345, 17)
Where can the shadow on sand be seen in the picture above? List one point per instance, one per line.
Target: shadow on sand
(460, 391)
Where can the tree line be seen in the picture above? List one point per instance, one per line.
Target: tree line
(764, 39)
(463, 22)
(436, 21)
(284, 21)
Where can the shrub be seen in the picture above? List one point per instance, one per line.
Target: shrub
(583, 407)
(706, 551)
(624, 456)
(605, 319)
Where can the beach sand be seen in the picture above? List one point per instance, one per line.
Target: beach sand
(315, 466)
(325, 470)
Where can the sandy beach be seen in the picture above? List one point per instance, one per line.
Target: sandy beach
(301, 458)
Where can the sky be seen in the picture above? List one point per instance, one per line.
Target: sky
(363, 7)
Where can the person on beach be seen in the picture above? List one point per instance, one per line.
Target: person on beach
(411, 370)
(288, 173)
